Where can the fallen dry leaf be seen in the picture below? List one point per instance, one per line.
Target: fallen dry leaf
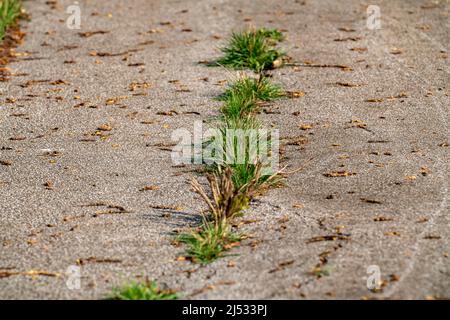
(83, 261)
(91, 33)
(342, 173)
(105, 127)
(5, 163)
(30, 273)
(148, 188)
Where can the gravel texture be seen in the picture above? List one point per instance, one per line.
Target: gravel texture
(63, 172)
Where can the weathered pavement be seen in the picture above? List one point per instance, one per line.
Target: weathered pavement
(64, 173)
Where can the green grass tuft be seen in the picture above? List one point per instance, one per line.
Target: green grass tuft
(252, 49)
(209, 242)
(238, 105)
(272, 34)
(252, 89)
(242, 149)
(244, 173)
(9, 12)
(236, 152)
(147, 290)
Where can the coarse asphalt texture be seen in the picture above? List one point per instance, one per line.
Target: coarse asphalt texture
(372, 141)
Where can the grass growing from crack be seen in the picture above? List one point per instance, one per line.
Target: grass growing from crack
(252, 49)
(232, 185)
(225, 201)
(251, 89)
(238, 105)
(209, 242)
(238, 146)
(147, 290)
(9, 12)
(271, 34)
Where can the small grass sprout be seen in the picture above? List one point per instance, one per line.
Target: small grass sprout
(147, 290)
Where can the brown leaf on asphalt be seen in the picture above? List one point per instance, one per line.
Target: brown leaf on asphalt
(48, 185)
(424, 27)
(432, 237)
(5, 163)
(137, 64)
(332, 237)
(149, 188)
(277, 63)
(305, 126)
(392, 233)
(202, 290)
(396, 51)
(255, 243)
(359, 49)
(115, 100)
(84, 261)
(382, 219)
(358, 123)
(146, 43)
(192, 112)
(148, 121)
(393, 277)
(138, 85)
(346, 29)
(167, 113)
(183, 258)
(58, 82)
(228, 246)
(32, 242)
(424, 171)
(17, 138)
(370, 201)
(34, 82)
(296, 141)
(374, 100)
(67, 47)
(347, 84)
(108, 54)
(282, 265)
(212, 287)
(398, 96)
(108, 206)
(31, 273)
(295, 94)
(103, 212)
(184, 89)
(342, 173)
(347, 39)
(431, 5)
(313, 65)
(231, 264)
(91, 33)
(244, 222)
(105, 127)
(163, 207)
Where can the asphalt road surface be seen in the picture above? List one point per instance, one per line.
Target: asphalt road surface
(86, 123)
